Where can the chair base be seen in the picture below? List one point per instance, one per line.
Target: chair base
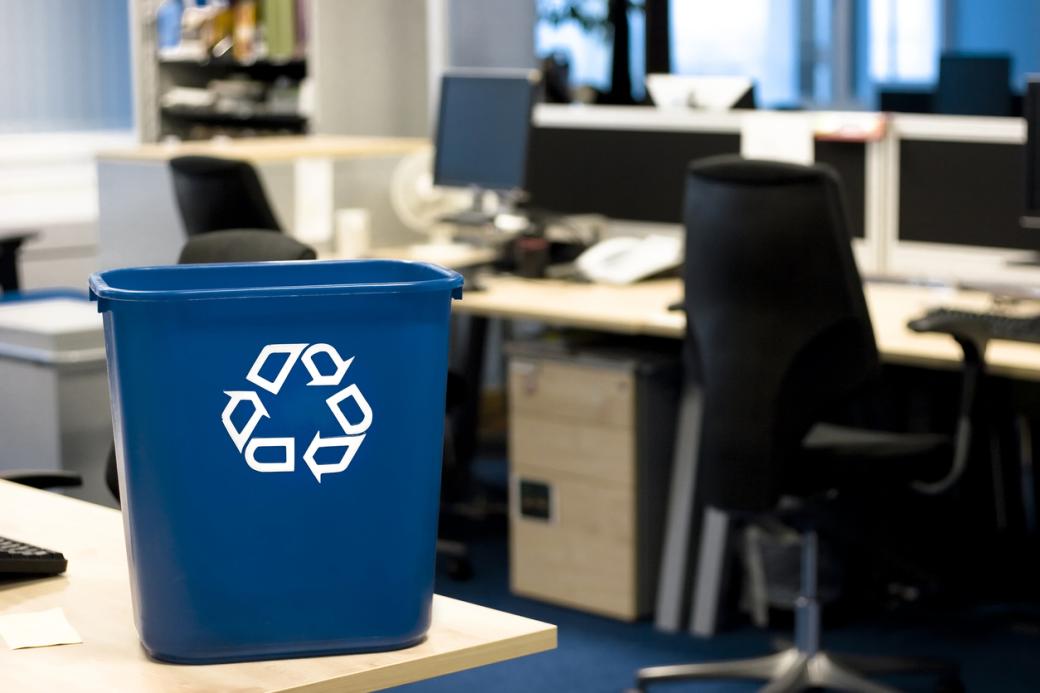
(794, 670)
(806, 665)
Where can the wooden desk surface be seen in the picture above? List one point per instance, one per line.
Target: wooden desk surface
(642, 309)
(636, 309)
(95, 596)
(272, 149)
(455, 256)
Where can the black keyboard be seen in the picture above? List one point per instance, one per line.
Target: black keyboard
(21, 559)
(979, 325)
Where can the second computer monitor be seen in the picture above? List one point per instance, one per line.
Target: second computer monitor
(482, 129)
(974, 85)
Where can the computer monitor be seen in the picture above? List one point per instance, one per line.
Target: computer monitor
(1031, 217)
(483, 126)
(707, 92)
(974, 85)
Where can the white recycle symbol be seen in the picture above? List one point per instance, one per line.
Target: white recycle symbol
(353, 432)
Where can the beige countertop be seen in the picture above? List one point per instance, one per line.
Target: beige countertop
(272, 149)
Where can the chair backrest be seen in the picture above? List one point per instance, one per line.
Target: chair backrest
(240, 245)
(214, 194)
(9, 279)
(243, 245)
(778, 327)
(10, 245)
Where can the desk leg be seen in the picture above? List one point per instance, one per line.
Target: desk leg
(467, 419)
(1027, 479)
(711, 573)
(683, 517)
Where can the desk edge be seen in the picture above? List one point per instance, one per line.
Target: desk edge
(392, 675)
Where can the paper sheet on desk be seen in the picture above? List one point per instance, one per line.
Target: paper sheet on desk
(37, 629)
(777, 137)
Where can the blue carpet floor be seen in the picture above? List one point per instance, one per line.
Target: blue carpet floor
(999, 649)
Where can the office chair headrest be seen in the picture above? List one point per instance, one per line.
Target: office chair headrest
(736, 169)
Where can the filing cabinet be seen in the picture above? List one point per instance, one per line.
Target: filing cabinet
(590, 445)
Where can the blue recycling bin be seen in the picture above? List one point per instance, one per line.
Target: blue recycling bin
(279, 430)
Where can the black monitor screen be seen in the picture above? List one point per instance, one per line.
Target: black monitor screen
(974, 85)
(482, 130)
(1032, 112)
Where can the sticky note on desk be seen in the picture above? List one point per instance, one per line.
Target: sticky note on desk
(37, 629)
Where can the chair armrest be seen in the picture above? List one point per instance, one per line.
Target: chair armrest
(974, 369)
(42, 478)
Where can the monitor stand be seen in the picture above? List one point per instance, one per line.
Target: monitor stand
(475, 215)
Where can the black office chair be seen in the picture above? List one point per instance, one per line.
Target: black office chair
(215, 194)
(778, 333)
(243, 245)
(10, 246)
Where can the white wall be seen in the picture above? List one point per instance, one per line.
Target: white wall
(491, 33)
(66, 65)
(376, 63)
(369, 62)
(1008, 26)
(48, 186)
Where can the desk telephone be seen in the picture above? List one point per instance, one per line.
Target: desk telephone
(627, 259)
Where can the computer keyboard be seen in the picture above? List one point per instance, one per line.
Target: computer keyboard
(979, 325)
(21, 559)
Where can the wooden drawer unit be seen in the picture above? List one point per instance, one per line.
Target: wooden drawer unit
(580, 392)
(583, 556)
(595, 452)
(590, 440)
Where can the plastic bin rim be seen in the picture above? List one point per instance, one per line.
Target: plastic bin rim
(442, 279)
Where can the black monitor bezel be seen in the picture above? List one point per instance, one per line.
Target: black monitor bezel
(1031, 112)
(532, 77)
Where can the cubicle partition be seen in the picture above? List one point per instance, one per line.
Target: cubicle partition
(956, 191)
(629, 163)
(860, 162)
(849, 159)
(927, 195)
(624, 163)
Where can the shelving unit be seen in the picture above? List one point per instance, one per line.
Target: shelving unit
(295, 68)
(162, 113)
(259, 120)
